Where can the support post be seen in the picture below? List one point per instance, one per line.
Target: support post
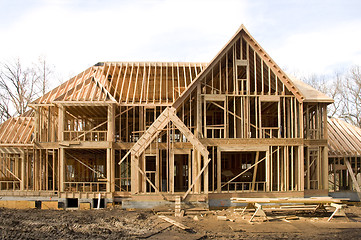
(110, 169)
(62, 164)
(37, 124)
(219, 171)
(22, 182)
(61, 124)
(134, 175)
(111, 123)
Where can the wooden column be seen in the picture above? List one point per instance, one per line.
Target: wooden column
(190, 176)
(157, 167)
(62, 164)
(134, 175)
(111, 123)
(120, 124)
(142, 180)
(268, 170)
(205, 174)
(110, 151)
(171, 172)
(198, 129)
(324, 168)
(196, 155)
(61, 123)
(37, 124)
(219, 171)
(301, 169)
(325, 150)
(22, 183)
(110, 170)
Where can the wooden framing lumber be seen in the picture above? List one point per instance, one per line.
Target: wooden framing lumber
(167, 125)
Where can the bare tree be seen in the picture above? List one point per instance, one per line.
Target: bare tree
(352, 108)
(20, 85)
(44, 72)
(4, 108)
(333, 87)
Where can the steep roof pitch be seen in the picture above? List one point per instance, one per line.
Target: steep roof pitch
(259, 50)
(344, 139)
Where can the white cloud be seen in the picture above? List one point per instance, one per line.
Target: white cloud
(323, 51)
(73, 38)
(75, 34)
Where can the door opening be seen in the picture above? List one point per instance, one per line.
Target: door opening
(181, 172)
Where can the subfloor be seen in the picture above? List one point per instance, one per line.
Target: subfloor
(124, 224)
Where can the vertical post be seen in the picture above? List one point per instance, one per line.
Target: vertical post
(194, 168)
(143, 180)
(219, 173)
(301, 169)
(46, 170)
(134, 174)
(205, 174)
(61, 124)
(198, 112)
(110, 169)
(37, 123)
(111, 123)
(325, 150)
(120, 124)
(255, 171)
(195, 154)
(62, 165)
(268, 170)
(157, 166)
(190, 177)
(171, 171)
(22, 183)
(324, 168)
(198, 160)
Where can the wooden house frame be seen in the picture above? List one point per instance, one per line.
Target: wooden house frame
(151, 131)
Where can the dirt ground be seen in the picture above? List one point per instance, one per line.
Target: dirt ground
(145, 224)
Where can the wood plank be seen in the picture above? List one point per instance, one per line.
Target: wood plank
(175, 223)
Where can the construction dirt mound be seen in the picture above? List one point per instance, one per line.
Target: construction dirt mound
(146, 224)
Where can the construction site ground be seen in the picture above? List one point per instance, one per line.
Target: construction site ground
(118, 223)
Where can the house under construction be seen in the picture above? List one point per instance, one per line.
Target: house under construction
(144, 133)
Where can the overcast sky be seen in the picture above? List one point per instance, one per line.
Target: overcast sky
(308, 36)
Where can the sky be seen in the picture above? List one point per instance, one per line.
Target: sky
(303, 37)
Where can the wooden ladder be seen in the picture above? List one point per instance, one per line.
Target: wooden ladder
(151, 133)
(188, 134)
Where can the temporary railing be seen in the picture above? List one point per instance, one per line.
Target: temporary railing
(244, 187)
(94, 136)
(270, 132)
(215, 131)
(123, 184)
(9, 185)
(85, 186)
